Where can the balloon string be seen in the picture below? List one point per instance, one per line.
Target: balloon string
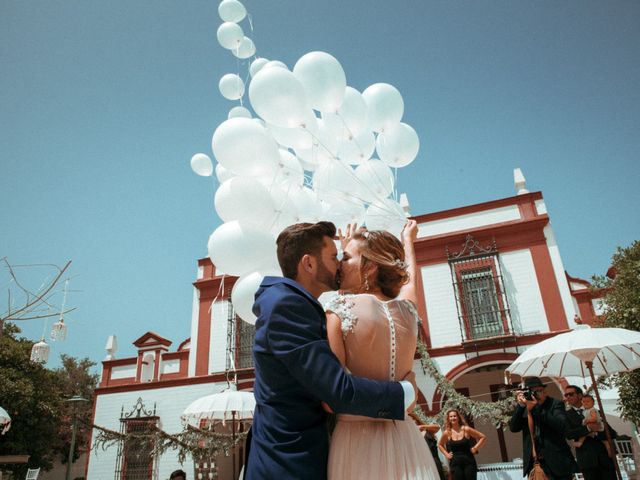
(395, 183)
(351, 172)
(220, 289)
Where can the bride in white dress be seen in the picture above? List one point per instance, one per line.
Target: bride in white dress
(373, 331)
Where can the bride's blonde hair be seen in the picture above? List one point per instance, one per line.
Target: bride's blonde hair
(386, 252)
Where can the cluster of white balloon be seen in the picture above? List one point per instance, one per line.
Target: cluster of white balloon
(308, 157)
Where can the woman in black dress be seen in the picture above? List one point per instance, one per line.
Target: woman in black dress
(457, 444)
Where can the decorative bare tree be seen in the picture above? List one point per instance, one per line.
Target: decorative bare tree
(24, 303)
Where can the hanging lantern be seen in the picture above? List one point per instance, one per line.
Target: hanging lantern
(59, 331)
(40, 352)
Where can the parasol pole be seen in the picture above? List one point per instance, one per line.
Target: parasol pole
(233, 446)
(604, 419)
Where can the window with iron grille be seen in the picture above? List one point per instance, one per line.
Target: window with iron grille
(240, 335)
(135, 459)
(481, 300)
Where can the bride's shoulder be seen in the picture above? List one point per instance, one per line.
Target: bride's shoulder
(342, 304)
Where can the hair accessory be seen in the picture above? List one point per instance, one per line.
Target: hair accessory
(366, 283)
(365, 234)
(400, 264)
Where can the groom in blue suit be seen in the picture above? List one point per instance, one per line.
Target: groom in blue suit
(295, 368)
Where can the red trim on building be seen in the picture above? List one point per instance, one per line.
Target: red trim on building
(493, 344)
(480, 207)
(422, 309)
(245, 377)
(143, 341)
(549, 289)
(509, 236)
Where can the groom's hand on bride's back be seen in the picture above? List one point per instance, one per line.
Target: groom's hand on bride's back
(411, 377)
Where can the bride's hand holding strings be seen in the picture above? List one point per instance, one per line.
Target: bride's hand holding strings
(410, 232)
(349, 232)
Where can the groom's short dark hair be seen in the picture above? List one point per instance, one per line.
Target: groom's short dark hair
(298, 240)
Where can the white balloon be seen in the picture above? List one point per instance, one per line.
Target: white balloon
(386, 215)
(307, 205)
(230, 35)
(384, 106)
(243, 296)
(237, 248)
(276, 63)
(231, 11)
(336, 179)
(245, 199)
(201, 164)
(231, 86)
(312, 158)
(287, 172)
(222, 174)
(239, 112)
(245, 49)
(278, 97)
(245, 147)
(298, 137)
(286, 210)
(344, 211)
(358, 149)
(376, 178)
(398, 146)
(256, 65)
(323, 79)
(353, 112)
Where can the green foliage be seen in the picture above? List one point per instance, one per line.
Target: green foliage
(75, 378)
(31, 395)
(496, 413)
(34, 397)
(622, 307)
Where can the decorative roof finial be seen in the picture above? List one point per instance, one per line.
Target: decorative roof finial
(519, 182)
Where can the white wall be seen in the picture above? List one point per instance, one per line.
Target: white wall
(559, 272)
(470, 220)
(195, 313)
(218, 340)
(170, 366)
(541, 207)
(523, 292)
(123, 371)
(444, 326)
(170, 403)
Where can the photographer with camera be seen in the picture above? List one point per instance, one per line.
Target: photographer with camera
(547, 416)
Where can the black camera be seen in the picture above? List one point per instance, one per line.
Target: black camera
(529, 394)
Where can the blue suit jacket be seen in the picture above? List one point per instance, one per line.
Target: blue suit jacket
(295, 370)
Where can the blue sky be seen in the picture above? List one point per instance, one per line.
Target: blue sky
(102, 104)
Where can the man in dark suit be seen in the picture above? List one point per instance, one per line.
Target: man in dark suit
(295, 368)
(592, 456)
(549, 422)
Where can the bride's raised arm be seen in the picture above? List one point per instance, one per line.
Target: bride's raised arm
(409, 235)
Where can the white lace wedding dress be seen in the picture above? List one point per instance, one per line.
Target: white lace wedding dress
(380, 340)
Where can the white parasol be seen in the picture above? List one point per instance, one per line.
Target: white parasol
(226, 405)
(582, 352)
(5, 421)
(610, 350)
